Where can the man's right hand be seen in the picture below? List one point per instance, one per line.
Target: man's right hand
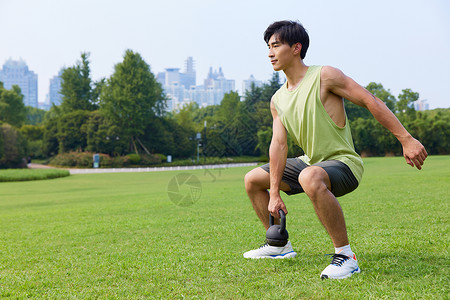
(275, 204)
(414, 152)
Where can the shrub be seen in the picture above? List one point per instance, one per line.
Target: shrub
(72, 159)
(120, 161)
(13, 150)
(152, 159)
(134, 159)
(35, 149)
(106, 161)
(84, 159)
(162, 157)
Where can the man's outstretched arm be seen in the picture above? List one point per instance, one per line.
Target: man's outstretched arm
(277, 159)
(342, 85)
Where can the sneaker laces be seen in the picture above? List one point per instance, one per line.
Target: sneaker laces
(338, 259)
(263, 245)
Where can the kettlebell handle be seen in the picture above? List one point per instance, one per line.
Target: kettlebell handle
(282, 220)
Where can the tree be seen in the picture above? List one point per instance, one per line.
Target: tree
(50, 140)
(129, 98)
(2, 143)
(34, 135)
(405, 104)
(440, 131)
(34, 115)
(185, 117)
(32, 132)
(264, 139)
(432, 128)
(271, 87)
(228, 108)
(13, 150)
(253, 96)
(364, 138)
(102, 136)
(259, 118)
(159, 137)
(12, 109)
(76, 87)
(72, 131)
(183, 140)
(230, 123)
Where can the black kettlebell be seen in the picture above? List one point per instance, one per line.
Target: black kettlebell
(277, 235)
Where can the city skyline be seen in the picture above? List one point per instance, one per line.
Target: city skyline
(400, 44)
(180, 87)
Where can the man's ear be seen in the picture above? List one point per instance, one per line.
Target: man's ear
(297, 48)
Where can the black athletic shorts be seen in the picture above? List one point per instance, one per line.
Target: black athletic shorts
(341, 177)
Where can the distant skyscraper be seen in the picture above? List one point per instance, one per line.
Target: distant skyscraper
(220, 86)
(161, 78)
(421, 105)
(172, 76)
(188, 78)
(213, 75)
(215, 87)
(54, 90)
(247, 84)
(16, 73)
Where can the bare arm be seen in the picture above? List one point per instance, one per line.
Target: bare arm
(342, 85)
(278, 155)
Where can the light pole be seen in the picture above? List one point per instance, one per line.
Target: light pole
(198, 138)
(204, 143)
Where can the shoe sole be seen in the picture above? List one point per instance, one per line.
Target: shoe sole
(291, 254)
(358, 270)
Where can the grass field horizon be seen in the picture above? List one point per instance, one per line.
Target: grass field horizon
(120, 236)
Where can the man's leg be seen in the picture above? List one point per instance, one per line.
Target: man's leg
(257, 182)
(317, 186)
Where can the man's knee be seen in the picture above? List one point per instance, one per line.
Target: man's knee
(256, 179)
(314, 180)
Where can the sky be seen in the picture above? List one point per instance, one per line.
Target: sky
(398, 43)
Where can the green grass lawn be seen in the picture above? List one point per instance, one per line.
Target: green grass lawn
(119, 236)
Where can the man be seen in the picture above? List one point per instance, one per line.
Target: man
(310, 108)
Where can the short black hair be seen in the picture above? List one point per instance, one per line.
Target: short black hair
(290, 32)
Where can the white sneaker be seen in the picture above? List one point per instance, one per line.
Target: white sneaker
(267, 251)
(342, 266)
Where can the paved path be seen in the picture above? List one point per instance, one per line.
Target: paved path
(39, 166)
(154, 169)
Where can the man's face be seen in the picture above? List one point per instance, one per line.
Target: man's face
(281, 54)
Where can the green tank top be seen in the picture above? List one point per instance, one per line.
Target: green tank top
(308, 123)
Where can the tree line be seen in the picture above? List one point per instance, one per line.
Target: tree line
(126, 113)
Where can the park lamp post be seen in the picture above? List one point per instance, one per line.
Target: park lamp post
(204, 143)
(198, 138)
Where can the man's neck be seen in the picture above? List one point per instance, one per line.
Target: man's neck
(295, 73)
